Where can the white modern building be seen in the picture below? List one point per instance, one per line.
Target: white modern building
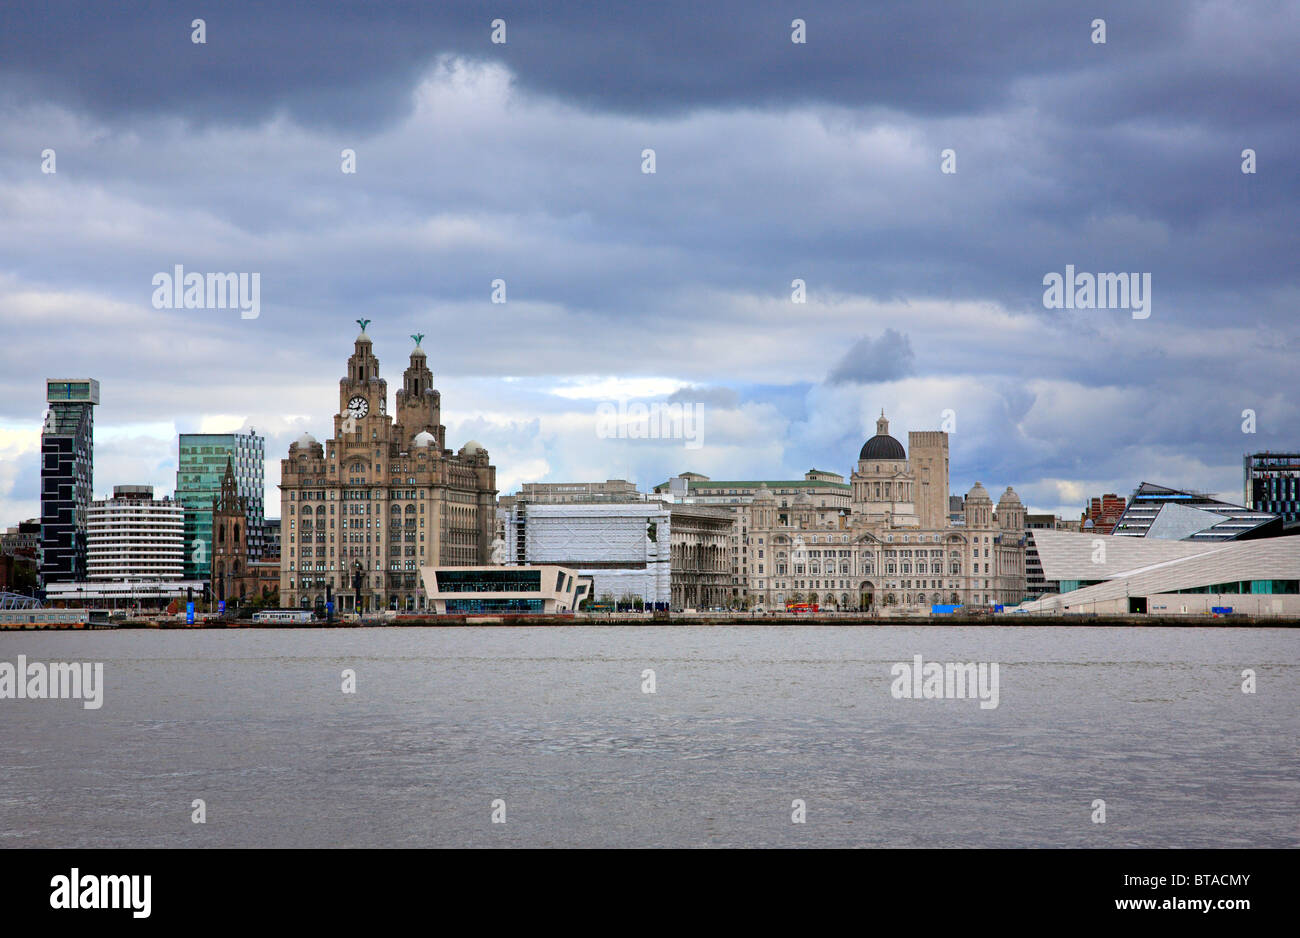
(1115, 575)
(537, 590)
(134, 536)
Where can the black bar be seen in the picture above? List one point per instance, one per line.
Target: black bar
(927, 887)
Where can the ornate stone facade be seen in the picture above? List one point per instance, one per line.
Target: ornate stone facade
(894, 549)
(701, 567)
(383, 496)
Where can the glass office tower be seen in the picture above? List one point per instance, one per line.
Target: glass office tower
(201, 466)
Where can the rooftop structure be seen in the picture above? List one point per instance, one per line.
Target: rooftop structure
(1156, 511)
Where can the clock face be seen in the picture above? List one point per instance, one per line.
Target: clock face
(358, 406)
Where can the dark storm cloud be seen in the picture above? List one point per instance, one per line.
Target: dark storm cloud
(868, 360)
(776, 161)
(347, 64)
(1127, 157)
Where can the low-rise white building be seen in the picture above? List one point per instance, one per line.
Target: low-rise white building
(1116, 575)
(537, 590)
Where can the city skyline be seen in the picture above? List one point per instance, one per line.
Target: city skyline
(477, 162)
(690, 426)
(165, 469)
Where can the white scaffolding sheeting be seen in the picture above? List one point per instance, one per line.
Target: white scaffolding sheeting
(624, 547)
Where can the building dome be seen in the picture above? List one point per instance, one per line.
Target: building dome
(882, 446)
(1009, 498)
(802, 500)
(472, 448)
(764, 494)
(978, 494)
(305, 440)
(424, 438)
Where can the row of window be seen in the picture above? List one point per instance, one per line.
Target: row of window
(889, 599)
(844, 538)
(845, 583)
(344, 584)
(355, 494)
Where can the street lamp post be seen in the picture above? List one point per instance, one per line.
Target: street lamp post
(356, 584)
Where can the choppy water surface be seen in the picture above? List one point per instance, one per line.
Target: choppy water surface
(744, 721)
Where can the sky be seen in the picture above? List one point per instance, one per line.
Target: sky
(775, 161)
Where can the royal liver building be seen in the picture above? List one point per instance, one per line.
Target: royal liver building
(383, 496)
(893, 545)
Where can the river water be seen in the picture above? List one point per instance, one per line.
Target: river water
(554, 725)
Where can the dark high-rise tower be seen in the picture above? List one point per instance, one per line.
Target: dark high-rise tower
(67, 474)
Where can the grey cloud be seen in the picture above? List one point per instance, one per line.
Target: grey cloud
(720, 397)
(869, 361)
(775, 161)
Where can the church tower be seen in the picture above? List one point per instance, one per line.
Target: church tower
(229, 540)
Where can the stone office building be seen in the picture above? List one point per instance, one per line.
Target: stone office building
(383, 496)
(826, 491)
(895, 548)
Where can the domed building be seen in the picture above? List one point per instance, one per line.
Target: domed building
(883, 482)
(894, 548)
(383, 497)
(882, 446)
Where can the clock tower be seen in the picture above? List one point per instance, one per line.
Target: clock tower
(364, 513)
(362, 394)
